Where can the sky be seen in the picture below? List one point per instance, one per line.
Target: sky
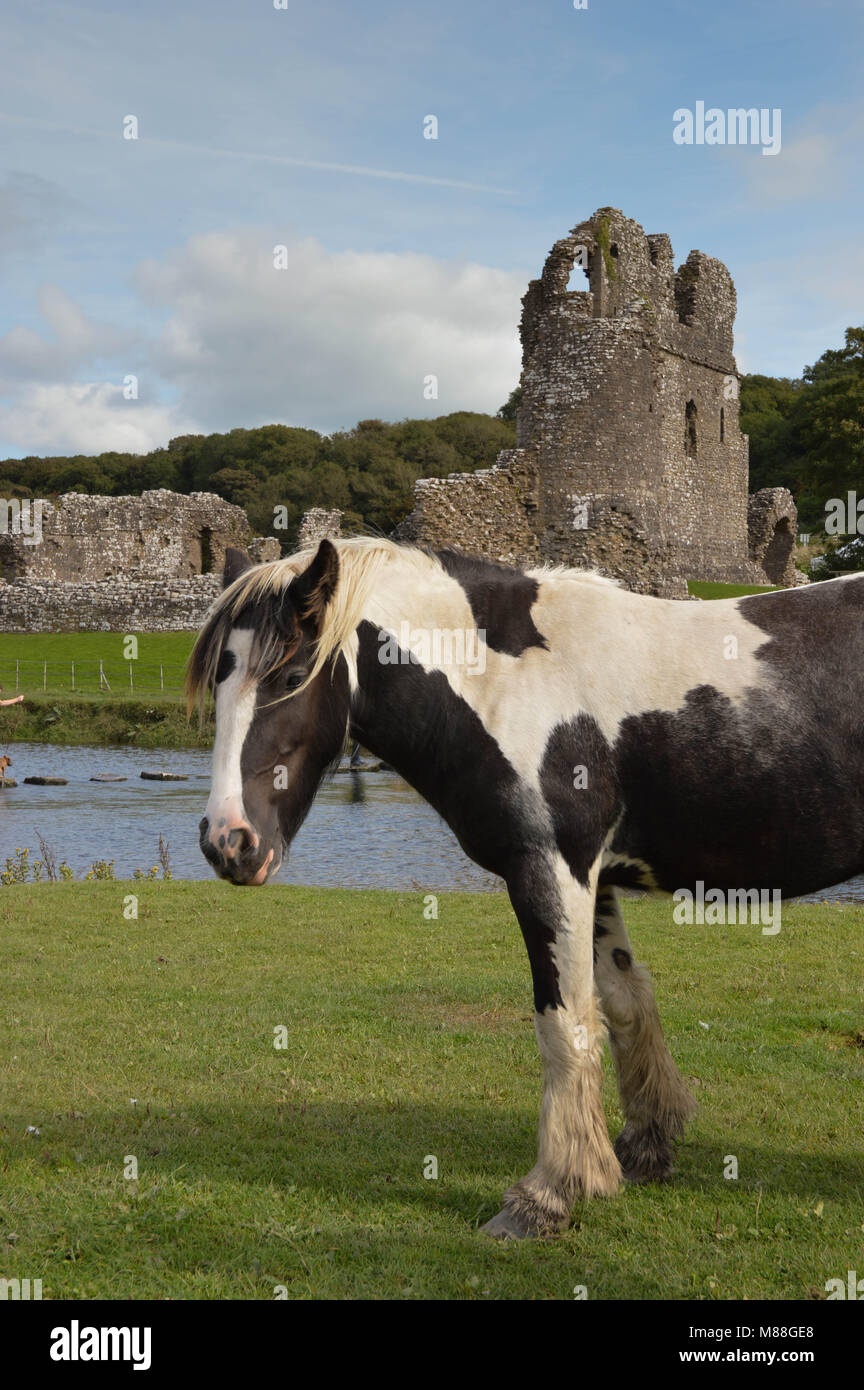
(141, 294)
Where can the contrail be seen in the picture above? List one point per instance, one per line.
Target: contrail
(360, 170)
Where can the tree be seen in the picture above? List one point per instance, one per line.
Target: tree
(511, 405)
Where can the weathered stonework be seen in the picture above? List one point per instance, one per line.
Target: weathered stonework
(161, 533)
(108, 605)
(461, 510)
(316, 523)
(122, 564)
(772, 521)
(629, 457)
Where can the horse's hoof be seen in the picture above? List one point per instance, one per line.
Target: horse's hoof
(646, 1156)
(505, 1226)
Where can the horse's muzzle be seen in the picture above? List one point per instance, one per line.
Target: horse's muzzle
(237, 854)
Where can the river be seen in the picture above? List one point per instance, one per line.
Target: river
(364, 831)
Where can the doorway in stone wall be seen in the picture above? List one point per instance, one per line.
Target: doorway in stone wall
(775, 561)
(206, 543)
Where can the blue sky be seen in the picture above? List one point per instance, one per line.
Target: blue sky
(405, 256)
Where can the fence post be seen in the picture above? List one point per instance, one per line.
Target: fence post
(45, 675)
(161, 680)
(16, 675)
(73, 675)
(131, 686)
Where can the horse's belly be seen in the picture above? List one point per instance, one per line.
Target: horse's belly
(735, 799)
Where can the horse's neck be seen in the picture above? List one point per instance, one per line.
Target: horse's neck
(395, 711)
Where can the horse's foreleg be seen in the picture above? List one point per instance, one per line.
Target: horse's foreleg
(655, 1101)
(575, 1157)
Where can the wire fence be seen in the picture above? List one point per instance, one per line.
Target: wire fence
(90, 677)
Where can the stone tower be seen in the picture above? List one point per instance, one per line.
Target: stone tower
(629, 455)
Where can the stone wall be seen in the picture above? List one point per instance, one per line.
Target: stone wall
(772, 520)
(110, 605)
(315, 524)
(492, 509)
(159, 534)
(122, 564)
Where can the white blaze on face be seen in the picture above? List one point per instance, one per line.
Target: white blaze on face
(235, 710)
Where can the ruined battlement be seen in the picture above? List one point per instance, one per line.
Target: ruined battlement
(632, 276)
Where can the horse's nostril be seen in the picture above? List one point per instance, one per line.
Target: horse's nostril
(239, 839)
(203, 826)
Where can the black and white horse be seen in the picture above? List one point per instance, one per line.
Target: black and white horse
(577, 738)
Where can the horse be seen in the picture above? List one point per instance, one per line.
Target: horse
(579, 739)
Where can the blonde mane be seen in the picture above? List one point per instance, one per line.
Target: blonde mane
(361, 560)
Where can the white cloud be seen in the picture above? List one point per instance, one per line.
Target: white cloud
(75, 339)
(334, 338)
(87, 418)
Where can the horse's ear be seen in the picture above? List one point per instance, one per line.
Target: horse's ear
(237, 562)
(312, 590)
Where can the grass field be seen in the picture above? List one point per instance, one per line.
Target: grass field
(151, 713)
(705, 588)
(406, 1038)
(149, 723)
(43, 663)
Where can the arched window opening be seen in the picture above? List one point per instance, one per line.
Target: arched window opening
(581, 270)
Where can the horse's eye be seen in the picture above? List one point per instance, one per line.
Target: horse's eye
(294, 679)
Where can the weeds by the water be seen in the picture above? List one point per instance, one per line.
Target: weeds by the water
(20, 868)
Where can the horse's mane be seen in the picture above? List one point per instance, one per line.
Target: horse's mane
(262, 589)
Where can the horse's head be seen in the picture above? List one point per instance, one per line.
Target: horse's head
(282, 708)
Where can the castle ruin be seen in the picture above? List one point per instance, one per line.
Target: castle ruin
(629, 458)
(119, 564)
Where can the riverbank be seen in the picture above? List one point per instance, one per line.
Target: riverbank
(145, 723)
(99, 688)
(284, 1064)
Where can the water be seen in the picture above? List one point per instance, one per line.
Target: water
(369, 831)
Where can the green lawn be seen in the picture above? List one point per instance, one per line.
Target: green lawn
(406, 1038)
(43, 662)
(149, 712)
(704, 588)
